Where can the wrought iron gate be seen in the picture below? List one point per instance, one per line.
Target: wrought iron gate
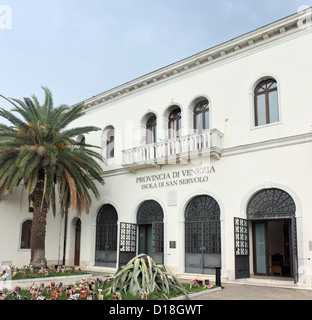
(202, 235)
(157, 251)
(202, 246)
(241, 240)
(106, 245)
(294, 249)
(127, 247)
(106, 237)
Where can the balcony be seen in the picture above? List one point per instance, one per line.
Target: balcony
(209, 143)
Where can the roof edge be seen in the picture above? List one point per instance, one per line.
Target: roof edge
(300, 21)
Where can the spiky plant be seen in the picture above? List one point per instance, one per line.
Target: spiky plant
(142, 274)
(40, 153)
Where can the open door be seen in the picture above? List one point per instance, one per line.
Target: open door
(151, 240)
(272, 212)
(241, 240)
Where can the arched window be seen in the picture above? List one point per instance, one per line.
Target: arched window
(109, 142)
(26, 234)
(266, 102)
(201, 115)
(151, 133)
(174, 125)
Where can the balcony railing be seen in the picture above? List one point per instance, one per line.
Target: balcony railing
(206, 143)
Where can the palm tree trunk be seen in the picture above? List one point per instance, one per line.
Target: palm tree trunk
(38, 229)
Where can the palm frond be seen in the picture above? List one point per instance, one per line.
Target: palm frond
(80, 130)
(13, 119)
(39, 145)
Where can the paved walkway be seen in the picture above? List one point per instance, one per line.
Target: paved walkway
(233, 291)
(254, 292)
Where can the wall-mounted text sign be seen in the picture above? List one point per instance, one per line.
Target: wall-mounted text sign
(175, 178)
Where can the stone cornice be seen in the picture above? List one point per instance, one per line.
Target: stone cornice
(268, 144)
(281, 29)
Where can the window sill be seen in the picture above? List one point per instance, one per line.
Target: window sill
(109, 160)
(266, 125)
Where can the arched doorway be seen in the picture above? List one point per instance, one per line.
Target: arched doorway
(77, 242)
(150, 218)
(272, 213)
(106, 237)
(202, 235)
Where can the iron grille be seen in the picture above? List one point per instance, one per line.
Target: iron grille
(158, 237)
(202, 226)
(271, 204)
(127, 237)
(149, 212)
(202, 237)
(202, 208)
(106, 229)
(106, 214)
(106, 237)
(241, 237)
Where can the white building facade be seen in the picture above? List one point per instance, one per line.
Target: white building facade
(208, 164)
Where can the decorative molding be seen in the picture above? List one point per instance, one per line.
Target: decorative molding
(267, 144)
(280, 29)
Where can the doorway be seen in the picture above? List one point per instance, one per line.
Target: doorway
(271, 218)
(77, 242)
(150, 218)
(271, 246)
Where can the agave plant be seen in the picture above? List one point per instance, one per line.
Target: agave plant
(142, 274)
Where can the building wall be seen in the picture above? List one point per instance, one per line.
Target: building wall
(14, 211)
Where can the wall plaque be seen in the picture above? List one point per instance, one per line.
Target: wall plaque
(172, 244)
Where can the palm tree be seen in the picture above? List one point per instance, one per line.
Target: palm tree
(40, 153)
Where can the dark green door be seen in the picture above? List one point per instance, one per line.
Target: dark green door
(145, 239)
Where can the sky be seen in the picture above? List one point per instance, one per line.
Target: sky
(80, 48)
